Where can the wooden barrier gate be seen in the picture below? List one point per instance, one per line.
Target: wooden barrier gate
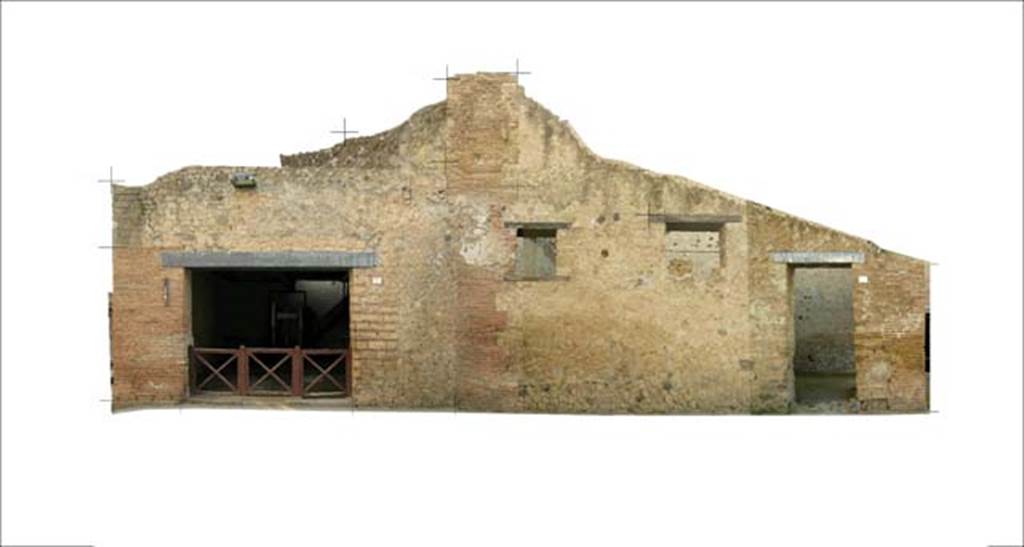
(295, 372)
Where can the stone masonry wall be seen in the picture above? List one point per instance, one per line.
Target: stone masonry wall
(629, 323)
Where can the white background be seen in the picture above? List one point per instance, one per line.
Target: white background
(900, 123)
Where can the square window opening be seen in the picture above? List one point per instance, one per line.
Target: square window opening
(693, 247)
(536, 253)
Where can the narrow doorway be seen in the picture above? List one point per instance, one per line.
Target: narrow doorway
(823, 356)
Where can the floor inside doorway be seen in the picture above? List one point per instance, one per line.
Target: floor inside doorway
(826, 393)
(215, 400)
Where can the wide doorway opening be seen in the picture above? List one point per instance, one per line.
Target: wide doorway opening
(270, 332)
(823, 356)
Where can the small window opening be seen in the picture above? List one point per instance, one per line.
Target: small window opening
(536, 253)
(693, 247)
(243, 180)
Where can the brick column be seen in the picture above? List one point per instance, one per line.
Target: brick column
(150, 338)
(374, 338)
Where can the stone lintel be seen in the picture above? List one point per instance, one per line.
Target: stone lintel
(696, 219)
(818, 257)
(538, 225)
(282, 260)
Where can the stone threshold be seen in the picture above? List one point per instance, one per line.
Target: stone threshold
(267, 402)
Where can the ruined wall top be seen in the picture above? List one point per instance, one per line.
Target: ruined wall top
(402, 145)
(479, 115)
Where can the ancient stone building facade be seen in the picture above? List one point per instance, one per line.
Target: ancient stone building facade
(487, 260)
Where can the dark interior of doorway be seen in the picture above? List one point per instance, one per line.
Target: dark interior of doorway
(264, 311)
(273, 309)
(823, 356)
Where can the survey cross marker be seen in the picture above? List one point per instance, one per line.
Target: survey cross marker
(518, 72)
(110, 179)
(648, 214)
(446, 76)
(444, 163)
(344, 130)
(446, 79)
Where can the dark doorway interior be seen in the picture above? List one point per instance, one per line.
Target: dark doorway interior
(823, 358)
(253, 321)
(276, 309)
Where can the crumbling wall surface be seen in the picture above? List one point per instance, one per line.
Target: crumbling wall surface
(618, 328)
(889, 299)
(414, 142)
(624, 328)
(400, 311)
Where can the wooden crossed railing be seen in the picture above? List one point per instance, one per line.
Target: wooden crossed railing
(271, 371)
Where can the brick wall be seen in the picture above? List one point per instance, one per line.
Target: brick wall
(481, 133)
(889, 312)
(374, 332)
(149, 333)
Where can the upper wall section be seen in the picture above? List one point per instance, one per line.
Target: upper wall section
(308, 208)
(487, 139)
